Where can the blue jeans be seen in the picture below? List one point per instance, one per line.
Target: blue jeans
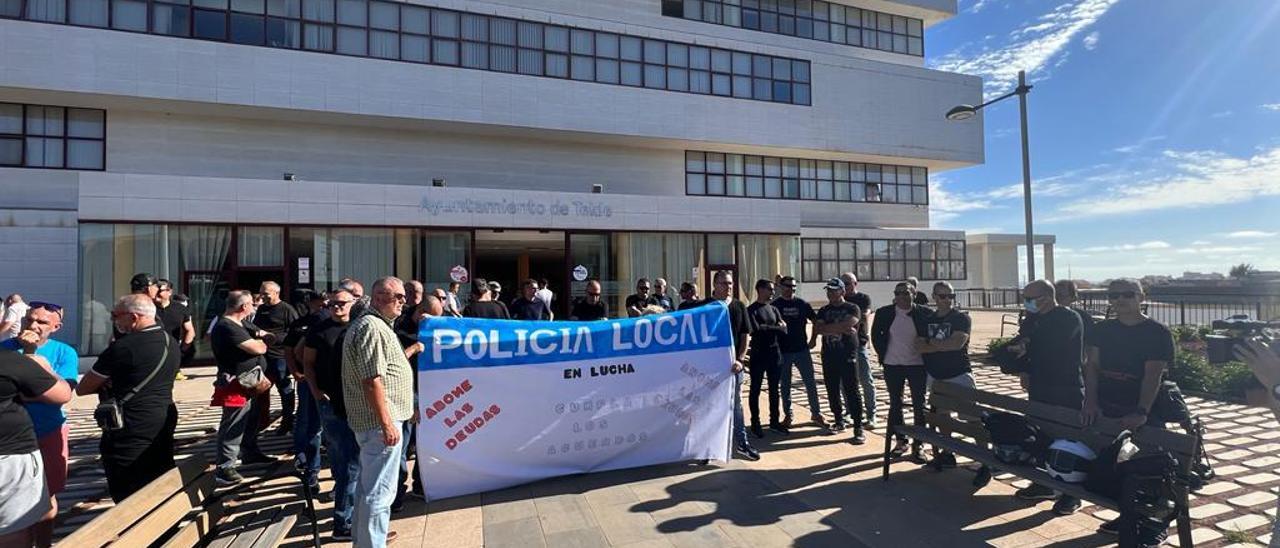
(804, 362)
(344, 460)
(868, 383)
(306, 434)
(379, 470)
(739, 422)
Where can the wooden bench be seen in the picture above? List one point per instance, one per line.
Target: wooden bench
(179, 509)
(957, 410)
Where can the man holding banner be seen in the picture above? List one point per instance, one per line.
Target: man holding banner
(722, 291)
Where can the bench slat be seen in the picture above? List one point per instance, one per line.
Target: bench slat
(104, 528)
(170, 513)
(947, 423)
(200, 526)
(276, 532)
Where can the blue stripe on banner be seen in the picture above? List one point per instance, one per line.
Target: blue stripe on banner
(453, 343)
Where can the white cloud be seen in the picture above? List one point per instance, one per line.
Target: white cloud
(1154, 244)
(1198, 178)
(1247, 234)
(977, 6)
(1220, 115)
(1200, 242)
(1272, 106)
(1140, 144)
(1091, 41)
(1030, 48)
(945, 206)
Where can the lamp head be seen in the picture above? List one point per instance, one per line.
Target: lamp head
(962, 112)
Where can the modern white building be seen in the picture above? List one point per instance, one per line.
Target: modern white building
(219, 143)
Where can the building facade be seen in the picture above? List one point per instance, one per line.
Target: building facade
(220, 143)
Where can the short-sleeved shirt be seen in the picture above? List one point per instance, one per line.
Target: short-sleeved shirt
(1123, 351)
(694, 303)
(492, 310)
(945, 365)
(173, 317)
(19, 377)
(837, 313)
(1054, 352)
(864, 304)
(276, 319)
(233, 360)
(529, 309)
(127, 362)
(739, 323)
(298, 330)
(48, 417)
(585, 311)
(636, 301)
(13, 314)
(406, 329)
(326, 339)
(370, 349)
(664, 301)
(796, 312)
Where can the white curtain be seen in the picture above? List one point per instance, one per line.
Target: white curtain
(362, 253)
(205, 247)
(261, 246)
(96, 265)
(683, 253)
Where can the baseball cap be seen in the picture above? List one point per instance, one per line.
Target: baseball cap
(141, 281)
(835, 284)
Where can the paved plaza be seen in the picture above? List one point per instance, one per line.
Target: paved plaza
(808, 489)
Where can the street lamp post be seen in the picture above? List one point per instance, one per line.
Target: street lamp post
(965, 112)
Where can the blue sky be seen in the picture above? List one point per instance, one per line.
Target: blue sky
(1154, 126)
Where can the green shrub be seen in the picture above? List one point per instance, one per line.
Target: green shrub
(1189, 333)
(997, 343)
(1192, 371)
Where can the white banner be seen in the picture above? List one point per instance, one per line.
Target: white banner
(504, 403)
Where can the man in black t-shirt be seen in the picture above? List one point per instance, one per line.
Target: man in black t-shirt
(837, 324)
(482, 304)
(688, 296)
(590, 307)
(275, 316)
(1053, 343)
(1068, 293)
(23, 504)
(795, 350)
(239, 348)
(865, 380)
(642, 298)
(767, 327)
(740, 326)
(322, 365)
(143, 363)
(944, 345)
(306, 431)
(175, 318)
(528, 306)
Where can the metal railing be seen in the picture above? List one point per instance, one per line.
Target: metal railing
(1169, 310)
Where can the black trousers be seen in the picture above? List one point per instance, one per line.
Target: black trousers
(132, 459)
(840, 375)
(762, 365)
(896, 377)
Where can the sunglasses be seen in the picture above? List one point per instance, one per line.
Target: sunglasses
(947, 296)
(788, 286)
(593, 294)
(339, 304)
(1122, 295)
(643, 288)
(56, 309)
(901, 293)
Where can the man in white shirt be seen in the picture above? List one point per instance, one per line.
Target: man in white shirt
(11, 323)
(893, 334)
(545, 295)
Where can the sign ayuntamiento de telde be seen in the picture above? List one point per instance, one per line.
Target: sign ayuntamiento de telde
(503, 403)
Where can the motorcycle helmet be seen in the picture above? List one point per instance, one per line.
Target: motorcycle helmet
(1069, 461)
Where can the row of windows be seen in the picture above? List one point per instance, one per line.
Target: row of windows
(719, 174)
(813, 19)
(406, 32)
(52, 137)
(882, 260)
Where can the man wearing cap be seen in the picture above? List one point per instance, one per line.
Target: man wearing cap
(49, 420)
(837, 324)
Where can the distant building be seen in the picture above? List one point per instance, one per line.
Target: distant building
(1190, 276)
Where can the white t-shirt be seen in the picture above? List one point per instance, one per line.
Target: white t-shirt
(545, 295)
(14, 313)
(902, 340)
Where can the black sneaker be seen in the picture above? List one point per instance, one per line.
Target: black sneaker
(748, 452)
(1110, 527)
(1066, 506)
(786, 422)
(757, 430)
(982, 478)
(780, 428)
(817, 420)
(227, 476)
(944, 460)
(1036, 492)
(858, 437)
(341, 535)
(838, 426)
(397, 505)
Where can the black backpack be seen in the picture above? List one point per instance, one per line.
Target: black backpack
(1014, 440)
(1104, 478)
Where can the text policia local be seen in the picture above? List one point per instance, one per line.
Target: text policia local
(685, 331)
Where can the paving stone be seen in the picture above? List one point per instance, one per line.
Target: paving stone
(1209, 510)
(1264, 462)
(1259, 479)
(577, 538)
(1106, 515)
(1216, 435)
(1231, 469)
(1251, 420)
(1245, 430)
(1243, 523)
(1199, 535)
(1256, 498)
(1265, 539)
(1217, 487)
(1213, 447)
(518, 533)
(1268, 435)
(1233, 455)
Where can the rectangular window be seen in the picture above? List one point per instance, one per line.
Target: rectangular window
(807, 179)
(885, 260)
(814, 20)
(37, 136)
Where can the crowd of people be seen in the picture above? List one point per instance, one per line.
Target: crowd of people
(340, 363)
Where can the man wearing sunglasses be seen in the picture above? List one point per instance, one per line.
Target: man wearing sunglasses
(944, 345)
(49, 420)
(322, 366)
(893, 333)
(591, 307)
(1127, 358)
(794, 344)
(641, 299)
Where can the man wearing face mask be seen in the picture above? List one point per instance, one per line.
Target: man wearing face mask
(1052, 338)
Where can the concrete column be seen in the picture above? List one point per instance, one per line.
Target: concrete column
(1048, 262)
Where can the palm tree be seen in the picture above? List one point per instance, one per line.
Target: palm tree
(1242, 270)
